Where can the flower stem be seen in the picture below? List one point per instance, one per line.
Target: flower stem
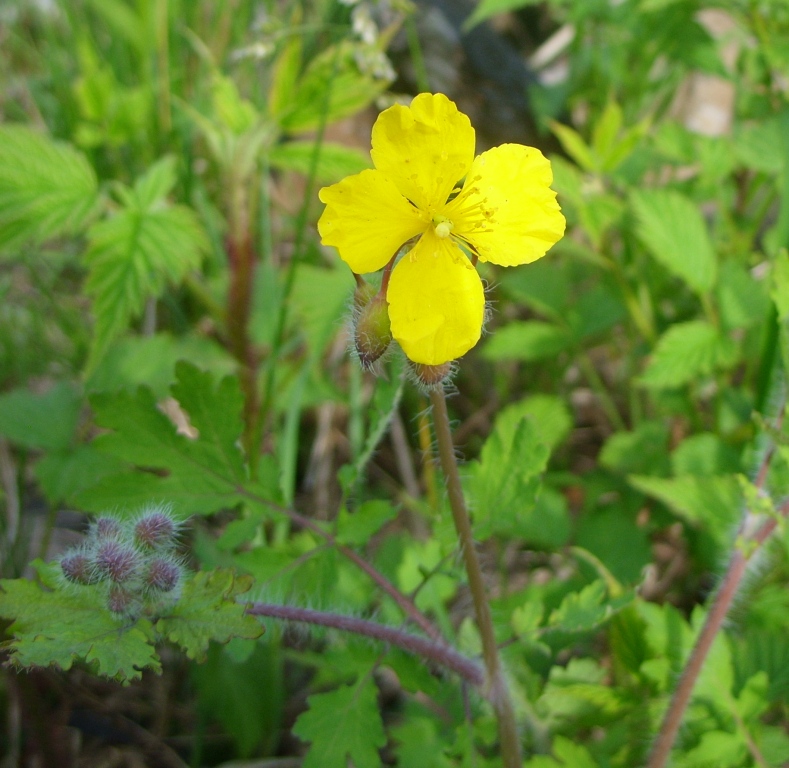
(438, 652)
(497, 691)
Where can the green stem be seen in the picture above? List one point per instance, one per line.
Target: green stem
(497, 690)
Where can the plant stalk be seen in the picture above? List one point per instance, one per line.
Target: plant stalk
(438, 652)
(724, 597)
(496, 685)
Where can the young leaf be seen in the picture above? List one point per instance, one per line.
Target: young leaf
(134, 254)
(207, 610)
(60, 627)
(47, 188)
(567, 753)
(343, 724)
(685, 352)
(674, 231)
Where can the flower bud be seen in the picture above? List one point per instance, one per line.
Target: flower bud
(78, 567)
(155, 530)
(162, 574)
(118, 562)
(372, 333)
(107, 528)
(429, 377)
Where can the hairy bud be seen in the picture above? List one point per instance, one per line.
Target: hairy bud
(116, 561)
(78, 567)
(372, 333)
(429, 377)
(155, 530)
(107, 528)
(162, 574)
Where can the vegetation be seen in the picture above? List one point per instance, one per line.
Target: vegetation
(225, 539)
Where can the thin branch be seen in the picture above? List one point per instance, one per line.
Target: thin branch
(439, 653)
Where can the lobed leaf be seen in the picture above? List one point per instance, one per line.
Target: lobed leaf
(58, 628)
(342, 724)
(206, 611)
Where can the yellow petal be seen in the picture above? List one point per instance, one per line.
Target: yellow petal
(425, 149)
(507, 212)
(367, 220)
(436, 302)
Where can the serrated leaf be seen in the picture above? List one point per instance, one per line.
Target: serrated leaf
(44, 421)
(59, 628)
(419, 744)
(207, 611)
(343, 724)
(202, 474)
(583, 611)
(675, 233)
(334, 162)
(504, 482)
(358, 528)
(47, 188)
(685, 352)
(642, 451)
(136, 253)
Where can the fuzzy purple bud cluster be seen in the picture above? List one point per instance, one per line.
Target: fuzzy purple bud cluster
(133, 562)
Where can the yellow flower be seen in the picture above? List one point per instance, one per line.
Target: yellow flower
(427, 184)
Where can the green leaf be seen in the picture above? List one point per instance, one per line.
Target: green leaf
(675, 233)
(136, 253)
(585, 610)
(47, 188)
(321, 299)
(548, 413)
(642, 451)
(574, 146)
(331, 88)
(207, 611)
(419, 743)
(487, 8)
(335, 162)
(358, 528)
(343, 724)
(61, 627)
(567, 753)
(687, 351)
(780, 284)
(504, 483)
(743, 301)
(45, 422)
(712, 502)
(202, 474)
(717, 749)
(525, 341)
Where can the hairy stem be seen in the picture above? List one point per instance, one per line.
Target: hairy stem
(496, 685)
(439, 653)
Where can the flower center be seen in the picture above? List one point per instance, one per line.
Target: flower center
(443, 226)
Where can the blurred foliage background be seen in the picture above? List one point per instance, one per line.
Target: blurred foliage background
(159, 168)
